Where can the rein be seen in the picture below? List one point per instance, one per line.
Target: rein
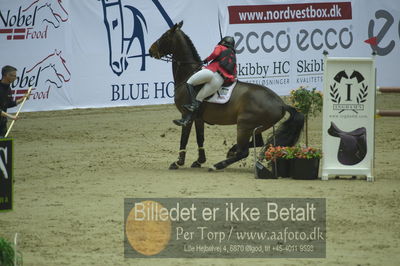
(170, 58)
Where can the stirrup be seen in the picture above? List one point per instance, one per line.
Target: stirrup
(181, 122)
(193, 107)
(190, 107)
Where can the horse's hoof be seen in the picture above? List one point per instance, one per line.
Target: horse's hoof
(212, 169)
(173, 166)
(196, 164)
(220, 165)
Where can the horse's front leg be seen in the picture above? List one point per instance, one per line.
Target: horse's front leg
(199, 124)
(242, 150)
(258, 141)
(185, 133)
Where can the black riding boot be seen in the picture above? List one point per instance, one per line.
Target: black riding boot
(192, 93)
(190, 116)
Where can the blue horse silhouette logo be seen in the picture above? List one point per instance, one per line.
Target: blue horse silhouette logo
(118, 19)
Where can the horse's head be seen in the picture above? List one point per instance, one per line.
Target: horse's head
(56, 13)
(166, 43)
(60, 68)
(54, 65)
(52, 11)
(124, 24)
(58, 10)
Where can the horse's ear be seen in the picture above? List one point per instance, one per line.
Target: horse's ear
(177, 26)
(180, 24)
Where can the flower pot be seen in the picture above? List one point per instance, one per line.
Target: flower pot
(281, 167)
(305, 168)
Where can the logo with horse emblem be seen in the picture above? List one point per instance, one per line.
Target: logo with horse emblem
(126, 25)
(47, 74)
(348, 93)
(32, 21)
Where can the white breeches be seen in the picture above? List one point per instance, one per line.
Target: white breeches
(212, 82)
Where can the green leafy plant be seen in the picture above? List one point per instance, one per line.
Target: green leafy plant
(7, 254)
(308, 102)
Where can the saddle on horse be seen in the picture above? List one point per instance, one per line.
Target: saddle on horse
(353, 144)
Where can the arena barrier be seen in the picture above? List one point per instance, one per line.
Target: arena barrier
(392, 113)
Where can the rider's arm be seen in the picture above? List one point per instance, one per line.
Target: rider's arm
(217, 51)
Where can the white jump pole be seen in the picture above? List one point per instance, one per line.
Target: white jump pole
(15, 249)
(19, 109)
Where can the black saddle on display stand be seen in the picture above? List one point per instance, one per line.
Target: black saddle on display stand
(353, 144)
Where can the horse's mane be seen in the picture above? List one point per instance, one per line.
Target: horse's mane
(192, 47)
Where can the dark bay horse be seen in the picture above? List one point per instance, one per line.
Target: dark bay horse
(251, 106)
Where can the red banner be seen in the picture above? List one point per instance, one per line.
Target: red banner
(289, 12)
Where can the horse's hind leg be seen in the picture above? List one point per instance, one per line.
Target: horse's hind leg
(242, 151)
(258, 141)
(200, 142)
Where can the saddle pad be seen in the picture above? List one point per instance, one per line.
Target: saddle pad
(222, 95)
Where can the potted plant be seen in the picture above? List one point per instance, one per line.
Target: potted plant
(308, 102)
(299, 162)
(305, 164)
(7, 254)
(280, 158)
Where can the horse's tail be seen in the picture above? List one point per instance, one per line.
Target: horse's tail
(288, 132)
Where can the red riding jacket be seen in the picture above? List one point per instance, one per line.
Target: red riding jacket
(224, 61)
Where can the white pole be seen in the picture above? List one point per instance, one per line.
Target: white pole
(15, 249)
(19, 109)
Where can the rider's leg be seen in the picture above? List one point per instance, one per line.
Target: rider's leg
(207, 90)
(211, 87)
(200, 77)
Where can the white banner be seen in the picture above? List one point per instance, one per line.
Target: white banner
(80, 54)
(280, 44)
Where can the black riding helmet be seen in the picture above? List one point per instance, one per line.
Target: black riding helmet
(228, 41)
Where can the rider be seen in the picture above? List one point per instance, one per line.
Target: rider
(221, 71)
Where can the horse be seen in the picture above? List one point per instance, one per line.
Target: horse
(116, 18)
(52, 10)
(53, 70)
(253, 108)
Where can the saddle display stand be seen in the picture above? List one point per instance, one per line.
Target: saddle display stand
(260, 171)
